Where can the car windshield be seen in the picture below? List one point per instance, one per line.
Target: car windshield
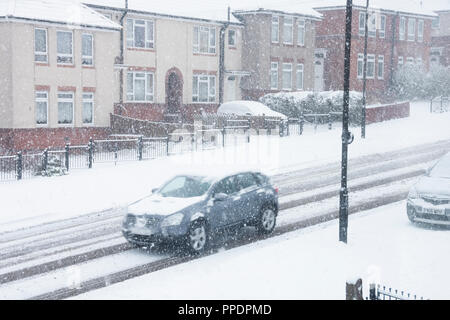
(441, 169)
(185, 187)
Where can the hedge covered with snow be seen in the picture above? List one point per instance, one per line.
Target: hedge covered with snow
(293, 104)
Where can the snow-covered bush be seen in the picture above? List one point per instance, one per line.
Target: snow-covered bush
(411, 81)
(294, 104)
(54, 167)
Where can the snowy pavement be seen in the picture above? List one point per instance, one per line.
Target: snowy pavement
(383, 247)
(41, 200)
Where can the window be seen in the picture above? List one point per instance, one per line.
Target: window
(402, 28)
(300, 76)
(381, 67)
(64, 45)
(419, 61)
(382, 31)
(435, 24)
(245, 180)
(287, 76)
(41, 107)
(232, 38)
(370, 66)
(288, 27)
(372, 26)
(410, 60)
(411, 29)
(140, 86)
(362, 23)
(275, 29)
(40, 45)
(204, 88)
(65, 107)
(301, 32)
(400, 61)
(274, 75)
(87, 54)
(420, 25)
(204, 39)
(360, 65)
(140, 33)
(88, 108)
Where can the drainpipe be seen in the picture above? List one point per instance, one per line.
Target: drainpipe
(222, 57)
(394, 30)
(122, 18)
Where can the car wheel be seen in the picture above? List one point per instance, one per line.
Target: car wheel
(197, 238)
(266, 221)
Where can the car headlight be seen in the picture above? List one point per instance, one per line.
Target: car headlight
(413, 194)
(173, 220)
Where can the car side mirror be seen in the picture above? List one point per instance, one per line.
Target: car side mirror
(154, 190)
(220, 196)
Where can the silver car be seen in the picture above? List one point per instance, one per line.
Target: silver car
(429, 198)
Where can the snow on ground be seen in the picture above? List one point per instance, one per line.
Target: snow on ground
(383, 247)
(39, 200)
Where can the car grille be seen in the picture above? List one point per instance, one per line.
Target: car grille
(435, 201)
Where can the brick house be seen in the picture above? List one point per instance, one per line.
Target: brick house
(400, 37)
(440, 50)
(57, 73)
(278, 50)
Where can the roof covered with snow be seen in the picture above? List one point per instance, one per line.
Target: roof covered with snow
(419, 7)
(55, 11)
(212, 10)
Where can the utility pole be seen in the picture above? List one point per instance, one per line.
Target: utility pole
(363, 116)
(347, 137)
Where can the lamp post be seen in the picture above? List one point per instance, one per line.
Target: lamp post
(347, 137)
(363, 116)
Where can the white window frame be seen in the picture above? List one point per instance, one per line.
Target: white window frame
(370, 60)
(362, 23)
(149, 37)
(380, 68)
(91, 100)
(360, 63)
(41, 99)
(71, 100)
(287, 26)
(275, 25)
(85, 58)
(382, 30)
(419, 61)
(420, 30)
(372, 27)
(286, 68)
(212, 92)
(211, 31)
(41, 53)
(301, 30)
(436, 23)
(149, 95)
(300, 70)
(402, 28)
(64, 55)
(400, 61)
(274, 73)
(411, 27)
(235, 38)
(410, 60)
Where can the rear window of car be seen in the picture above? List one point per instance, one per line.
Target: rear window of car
(261, 179)
(246, 180)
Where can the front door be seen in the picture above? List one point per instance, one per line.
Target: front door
(318, 74)
(174, 93)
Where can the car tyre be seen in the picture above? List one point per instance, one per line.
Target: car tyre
(267, 220)
(197, 238)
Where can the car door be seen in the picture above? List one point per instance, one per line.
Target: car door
(223, 213)
(248, 203)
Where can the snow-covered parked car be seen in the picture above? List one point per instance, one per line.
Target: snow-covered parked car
(429, 198)
(190, 209)
(248, 108)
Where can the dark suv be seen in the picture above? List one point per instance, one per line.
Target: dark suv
(193, 208)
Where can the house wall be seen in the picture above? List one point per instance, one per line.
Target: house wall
(330, 35)
(441, 38)
(6, 98)
(259, 51)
